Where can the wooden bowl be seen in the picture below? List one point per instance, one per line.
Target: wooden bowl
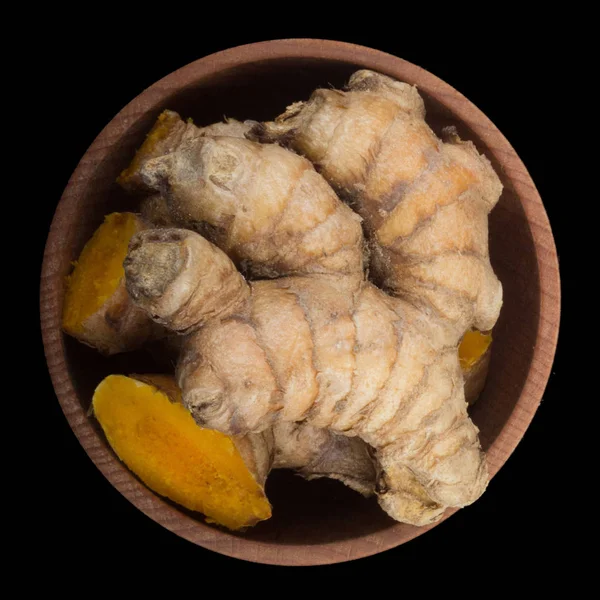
(319, 522)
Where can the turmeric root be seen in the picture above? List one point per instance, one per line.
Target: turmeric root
(200, 469)
(97, 309)
(265, 206)
(335, 353)
(475, 352)
(424, 202)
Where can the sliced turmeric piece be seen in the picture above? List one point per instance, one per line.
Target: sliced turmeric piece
(156, 143)
(157, 438)
(97, 309)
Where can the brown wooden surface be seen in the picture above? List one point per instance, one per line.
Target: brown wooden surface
(319, 522)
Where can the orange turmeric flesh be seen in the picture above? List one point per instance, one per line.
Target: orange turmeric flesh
(98, 271)
(159, 132)
(472, 347)
(160, 442)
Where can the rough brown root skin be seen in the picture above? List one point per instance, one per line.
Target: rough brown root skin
(316, 453)
(265, 206)
(402, 496)
(200, 469)
(228, 128)
(154, 210)
(181, 280)
(424, 202)
(475, 352)
(97, 309)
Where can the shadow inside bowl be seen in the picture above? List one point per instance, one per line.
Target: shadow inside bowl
(322, 511)
(514, 260)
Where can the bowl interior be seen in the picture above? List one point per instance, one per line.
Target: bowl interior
(320, 511)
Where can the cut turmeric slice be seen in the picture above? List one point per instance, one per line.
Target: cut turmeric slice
(97, 309)
(157, 438)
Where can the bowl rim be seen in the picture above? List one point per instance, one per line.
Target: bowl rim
(51, 297)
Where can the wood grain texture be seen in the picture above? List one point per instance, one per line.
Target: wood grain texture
(319, 522)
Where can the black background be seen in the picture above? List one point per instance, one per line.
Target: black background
(86, 78)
